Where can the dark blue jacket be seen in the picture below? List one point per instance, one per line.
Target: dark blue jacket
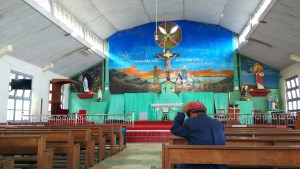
(201, 130)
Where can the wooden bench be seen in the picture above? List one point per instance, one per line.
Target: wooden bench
(62, 141)
(249, 141)
(81, 136)
(7, 164)
(32, 145)
(264, 134)
(236, 156)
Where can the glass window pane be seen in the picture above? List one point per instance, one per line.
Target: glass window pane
(12, 76)
(27, 93)
(293, 83)
(19, 93)
(50, 96)
(19, 104)
(18, 115)
(10, 104)
(50, 87)
(25, 112)
(290, 107)
(294, 105)
(298, 94)
(294, 94)
(298, 104)
(297, 82)
(26, 105)
(289, 95)
(49, 107)
(12, 93)
(10, 115)
(288, 84)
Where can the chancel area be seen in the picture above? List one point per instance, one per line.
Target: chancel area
(99, 84)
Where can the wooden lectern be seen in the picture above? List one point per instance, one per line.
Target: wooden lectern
(234, 114)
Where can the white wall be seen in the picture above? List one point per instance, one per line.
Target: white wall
(287, 73)
(40, 84)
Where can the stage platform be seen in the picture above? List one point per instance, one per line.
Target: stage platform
(149, 131)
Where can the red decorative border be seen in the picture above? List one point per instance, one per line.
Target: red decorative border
(259, 92)
(85, 95)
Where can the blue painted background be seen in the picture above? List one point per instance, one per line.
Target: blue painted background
(205, 50)
(203, 46)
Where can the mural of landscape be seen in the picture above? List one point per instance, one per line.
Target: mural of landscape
(271, 76)
(93, 76)
(205, 62)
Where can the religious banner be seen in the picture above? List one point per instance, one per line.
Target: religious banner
(202, 61)
(257, 75)
(88, 81)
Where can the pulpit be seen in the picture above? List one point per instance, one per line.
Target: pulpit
(233, 114)
(165, 108)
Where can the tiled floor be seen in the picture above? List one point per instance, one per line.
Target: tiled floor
(135, 156)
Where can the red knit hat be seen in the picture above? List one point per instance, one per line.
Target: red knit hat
(196, 106)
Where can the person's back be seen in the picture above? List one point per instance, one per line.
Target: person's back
(199, 129)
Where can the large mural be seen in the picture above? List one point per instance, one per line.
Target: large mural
(203, 60)
(258, 75)
(89, 80)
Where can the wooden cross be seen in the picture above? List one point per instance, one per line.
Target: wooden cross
(167, 56)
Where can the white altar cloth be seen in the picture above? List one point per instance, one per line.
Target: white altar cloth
(166, 106)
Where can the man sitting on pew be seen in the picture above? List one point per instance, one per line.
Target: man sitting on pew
(199, 129)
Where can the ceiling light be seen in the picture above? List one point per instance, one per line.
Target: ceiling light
(47, 67)
(5, 50)
(295, 58)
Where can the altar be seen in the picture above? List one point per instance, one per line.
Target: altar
(165, 107)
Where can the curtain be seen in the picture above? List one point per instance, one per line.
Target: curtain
(246, 109)
(221, 102)
(116, 105)
(139, 102)
(207, 98)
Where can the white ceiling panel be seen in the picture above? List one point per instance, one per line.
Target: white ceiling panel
(123, 14)
(236, 14)
(202, 11)
(280, 30)
(166, 9)
(37, 40)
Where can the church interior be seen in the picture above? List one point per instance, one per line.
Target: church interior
(95, 83)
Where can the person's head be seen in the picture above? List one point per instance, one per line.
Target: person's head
(195, 108)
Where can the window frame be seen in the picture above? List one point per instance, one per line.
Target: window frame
(12, 110)
(292, 94)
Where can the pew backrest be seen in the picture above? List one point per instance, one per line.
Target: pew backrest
(231, 155)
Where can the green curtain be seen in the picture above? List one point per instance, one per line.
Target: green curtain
(246, 108)
(221, 102)
(116, 105)
(139, 102)
(207, 98)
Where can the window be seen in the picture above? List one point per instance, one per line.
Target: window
(19, 100)
(292, 93)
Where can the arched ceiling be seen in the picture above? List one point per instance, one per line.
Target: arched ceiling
(41, 41)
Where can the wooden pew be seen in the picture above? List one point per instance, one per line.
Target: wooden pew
(236, 156)
(264, 134)
(62, 142)
(33, 145)
(80, 135)
(230, 129)
(7, 164)
(249, 141)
